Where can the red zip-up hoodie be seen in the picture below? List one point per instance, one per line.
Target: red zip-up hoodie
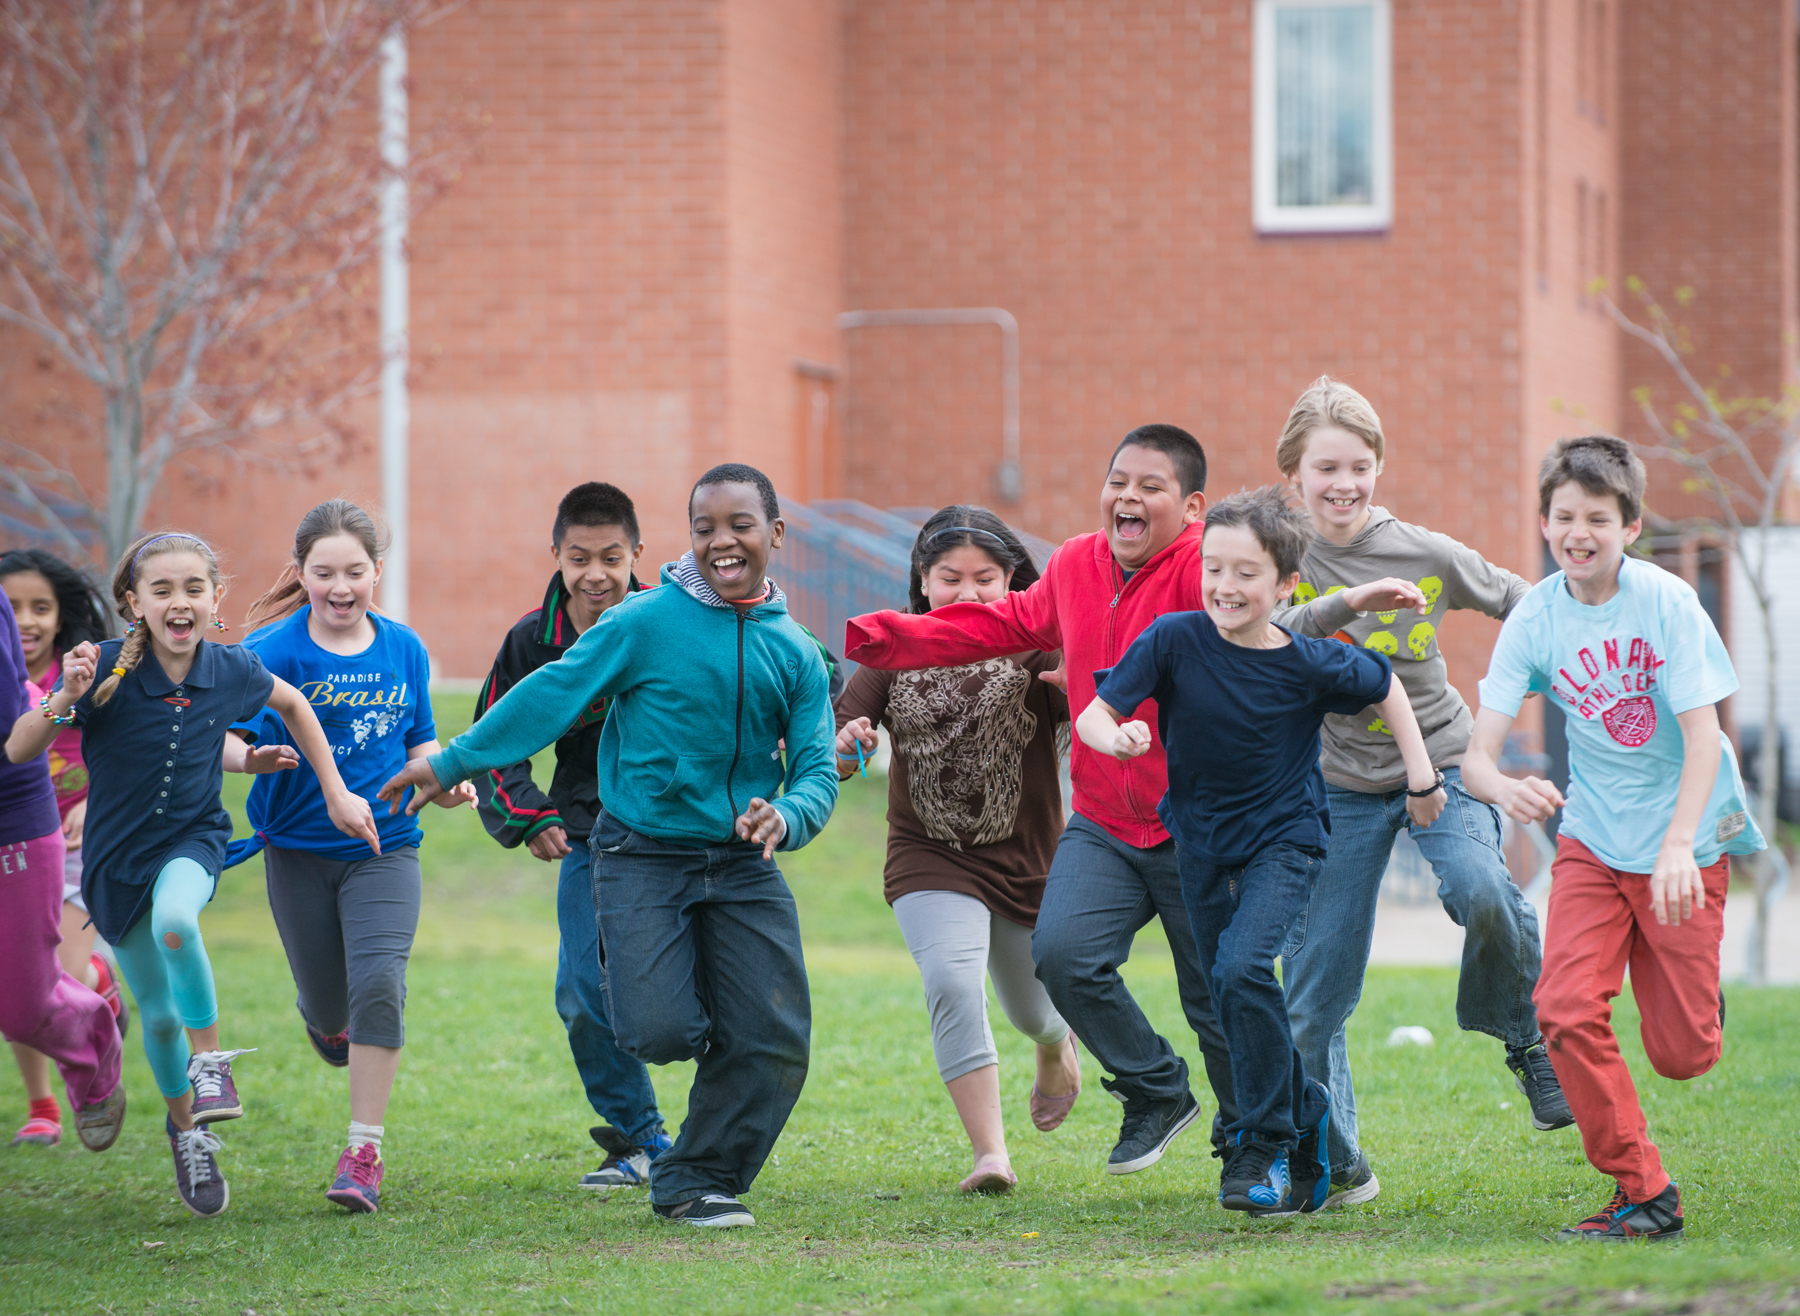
(1084, 606)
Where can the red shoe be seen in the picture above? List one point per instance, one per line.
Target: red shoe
(108, 987)
(39, 1133)
(358, 1182)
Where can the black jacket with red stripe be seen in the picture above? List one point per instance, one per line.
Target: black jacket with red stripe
(512, 807)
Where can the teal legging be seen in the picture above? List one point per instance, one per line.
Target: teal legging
(173, 981)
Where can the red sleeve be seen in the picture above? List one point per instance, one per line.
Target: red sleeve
(961, 632)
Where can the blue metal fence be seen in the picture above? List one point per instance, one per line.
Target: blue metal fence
(842, 558)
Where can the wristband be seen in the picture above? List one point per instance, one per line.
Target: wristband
(1432, 789)
(57, 719)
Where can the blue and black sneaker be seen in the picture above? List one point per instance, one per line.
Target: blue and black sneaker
(627, 1163)
(1256, 1178)
(1311, 1164)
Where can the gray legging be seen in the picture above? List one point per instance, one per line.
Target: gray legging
(347, 927)
(953, 939)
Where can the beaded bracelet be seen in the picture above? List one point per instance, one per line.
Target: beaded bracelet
(62, 720)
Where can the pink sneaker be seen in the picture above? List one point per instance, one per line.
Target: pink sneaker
(358, 1182)
(38, 1132)
(1048, 1113)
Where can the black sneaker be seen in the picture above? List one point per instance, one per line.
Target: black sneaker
(203, 1189)
(713, 1211)
(1147, 1130)
(1353, 1186)
(1310, 1165)
(1623, 1220)
(334, 1050)
(1256, 1178)
(1537, 1080)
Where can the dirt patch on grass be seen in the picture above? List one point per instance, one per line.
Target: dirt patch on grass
(1726, 1300)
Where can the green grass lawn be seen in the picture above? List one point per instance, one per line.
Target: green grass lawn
(858, 1210)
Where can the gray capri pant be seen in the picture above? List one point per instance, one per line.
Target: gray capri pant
(347, 926)
(954, 938)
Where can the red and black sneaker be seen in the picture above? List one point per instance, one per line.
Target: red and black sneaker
(333, 1050)
(1624, 1221)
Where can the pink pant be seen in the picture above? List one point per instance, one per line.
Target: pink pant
(40, 1005)
(1600, 923)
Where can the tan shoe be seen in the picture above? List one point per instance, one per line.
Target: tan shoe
(1048, 1113)
(98, 1125)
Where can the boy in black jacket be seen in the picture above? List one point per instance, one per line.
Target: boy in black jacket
(596, 544)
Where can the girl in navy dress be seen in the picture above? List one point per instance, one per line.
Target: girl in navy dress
(346, 917)
(153, 733)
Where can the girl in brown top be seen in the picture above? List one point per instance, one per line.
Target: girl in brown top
(974, 812)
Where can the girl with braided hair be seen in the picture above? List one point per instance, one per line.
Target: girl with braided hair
(974, 811)
(153, 734)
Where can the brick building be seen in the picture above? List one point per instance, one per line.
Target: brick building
(1189, 207)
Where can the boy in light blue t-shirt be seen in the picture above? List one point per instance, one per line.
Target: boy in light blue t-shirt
(1655, 805)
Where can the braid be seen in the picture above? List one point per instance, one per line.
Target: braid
(130, 653)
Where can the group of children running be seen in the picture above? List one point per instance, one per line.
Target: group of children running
(1251, 698)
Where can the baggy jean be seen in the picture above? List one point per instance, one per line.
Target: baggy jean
(1327, 953)
(1100, 892)
(618, 1087)
(1600, 925)
(700, 960)
(1241, 914)
(40, 1004)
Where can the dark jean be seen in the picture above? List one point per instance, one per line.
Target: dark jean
(618, 1087)
(1100, 892)
(1326, 958)
(1241, 914)
(700, 958)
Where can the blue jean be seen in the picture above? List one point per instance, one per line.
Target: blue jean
(618, 1087)
(1328, 951)
(1100, 892)
(1240, 915)
(700, 957)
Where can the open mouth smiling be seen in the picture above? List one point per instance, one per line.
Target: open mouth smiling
(729, 568)
(1129, 526)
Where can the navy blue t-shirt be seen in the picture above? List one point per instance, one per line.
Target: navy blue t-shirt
(155, 763)
(1242, 729)
(374, 706)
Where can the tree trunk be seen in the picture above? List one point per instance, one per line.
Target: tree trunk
(1768, 776)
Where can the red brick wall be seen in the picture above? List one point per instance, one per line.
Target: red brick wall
(1087, 166)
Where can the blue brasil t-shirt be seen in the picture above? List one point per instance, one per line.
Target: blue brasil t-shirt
(374, 706)
(1623, 671)
(1242, 729)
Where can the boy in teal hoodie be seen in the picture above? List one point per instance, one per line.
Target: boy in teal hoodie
(699, 940)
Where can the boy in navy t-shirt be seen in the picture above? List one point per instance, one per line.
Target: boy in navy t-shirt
(1239, 705)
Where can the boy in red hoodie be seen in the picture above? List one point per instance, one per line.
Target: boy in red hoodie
(1114, 868)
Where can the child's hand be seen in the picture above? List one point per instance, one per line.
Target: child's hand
(78, 669)
(762, 823)
(1389, 595)
(73, 824)
(1529, 799)
(351, 815)
(1424, 809)
(458, 795)
(857, 730)
(1676, 888)
(1131, 741)
(271, 758)
(1057, 676)
(420, 777)
(549, 845)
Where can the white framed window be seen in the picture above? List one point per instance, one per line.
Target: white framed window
(1323, 122)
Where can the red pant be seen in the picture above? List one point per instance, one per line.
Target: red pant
(1600, 922)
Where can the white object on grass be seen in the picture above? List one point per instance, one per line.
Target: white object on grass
(1410, 1035)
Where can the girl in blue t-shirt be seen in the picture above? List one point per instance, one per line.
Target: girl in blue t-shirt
(153, 734)
(346, 918)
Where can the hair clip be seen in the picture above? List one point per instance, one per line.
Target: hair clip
(118, 671)
(131, 628)
(219, 624)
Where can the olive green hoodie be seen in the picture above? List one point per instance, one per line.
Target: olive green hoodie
(1360, 753)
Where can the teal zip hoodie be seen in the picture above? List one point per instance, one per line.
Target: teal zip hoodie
(702, 695)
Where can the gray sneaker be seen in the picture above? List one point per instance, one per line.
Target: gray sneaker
(98, 1125)
(197, 1178)
(1147, 1130)
(215, 1095)
(627, 1164)
(1353, 1186)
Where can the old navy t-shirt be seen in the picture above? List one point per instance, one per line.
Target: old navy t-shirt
(374, 706)
(1242, 729)
(1623, 671)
